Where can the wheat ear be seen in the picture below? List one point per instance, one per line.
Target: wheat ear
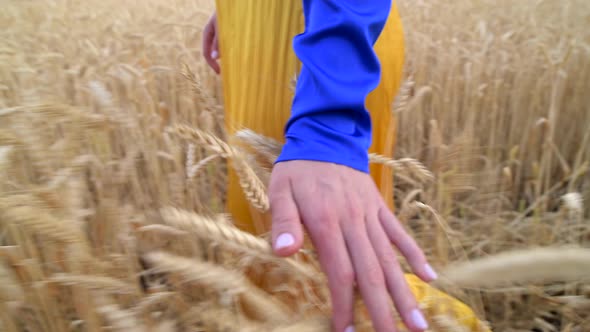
(525, 266)
(309, 325)
(105, 284)
(227, 235)
(225, 281)
(253, 188)
(38, 221)
(270, 150)
(402, 99)
(153, 300)
(444, 323)
(120, 320)
(405, 166)
(211, 317)
(267, 147)
(5, 152)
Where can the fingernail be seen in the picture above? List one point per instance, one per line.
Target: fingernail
(349, 329)
(418, 320)
(214, 54)
(284, 240)
(430, 272)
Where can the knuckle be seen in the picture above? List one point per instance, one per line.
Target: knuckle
(324, 214)
(374, 276)
(388, 259)
(344, 278)
(353, 211)
(325, 228)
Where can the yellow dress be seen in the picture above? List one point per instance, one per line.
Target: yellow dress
(258, 67)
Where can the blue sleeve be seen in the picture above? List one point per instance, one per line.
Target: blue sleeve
(329, 120)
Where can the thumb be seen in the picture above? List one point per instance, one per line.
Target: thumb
(287, 231)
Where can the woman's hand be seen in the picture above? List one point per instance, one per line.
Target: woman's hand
(352, 230)
(211, 44)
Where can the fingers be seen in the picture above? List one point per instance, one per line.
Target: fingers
(349, 245)
(404, 300)
(287, 232)
(370, 277)
(406, 245)
(334, 259)
(209, 35)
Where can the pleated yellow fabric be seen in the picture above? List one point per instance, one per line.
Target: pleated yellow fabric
(258, 66)
(436, 303)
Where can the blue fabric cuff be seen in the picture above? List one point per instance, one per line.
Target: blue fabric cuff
(309, 139)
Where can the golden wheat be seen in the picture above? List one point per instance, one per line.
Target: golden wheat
(120, 320)
(95, 282)
(494, 105)
(230, 236)
(253, 188)
(405, 166)
(269, 149)
(226, 282)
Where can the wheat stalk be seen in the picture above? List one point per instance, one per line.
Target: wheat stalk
(224, 281)
(321, 324)
(161, 229)
(5, 152)
(93, 282)
(521, 267)
(403, 96)
(195, 168)
(251, 185)
(211, 317)
(120, 320)
(208, 141)
(149, 302)
(269, 148)
(405, 166)
(38, 221)
(229, 235)
(213, 230)
(444, 323)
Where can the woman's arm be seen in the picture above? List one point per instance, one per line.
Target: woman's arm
(321, 178)
(329, 121)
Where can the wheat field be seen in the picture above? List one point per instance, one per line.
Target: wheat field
(113, 164)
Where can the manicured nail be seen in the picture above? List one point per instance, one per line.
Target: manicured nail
(214, 54)
(430, 272)
(418, 320)
(349, 329)
(284, 240)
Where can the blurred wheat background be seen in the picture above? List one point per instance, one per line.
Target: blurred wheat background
(111, 220)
